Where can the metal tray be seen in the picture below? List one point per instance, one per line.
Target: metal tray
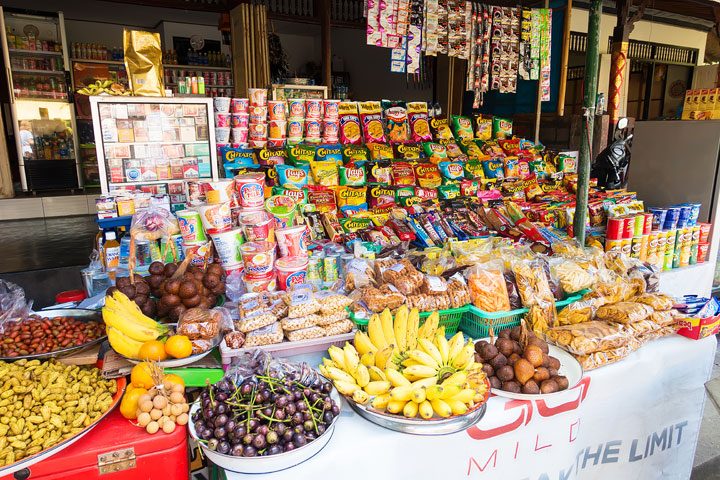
(181, 362)
(79, 313)
(270, 463)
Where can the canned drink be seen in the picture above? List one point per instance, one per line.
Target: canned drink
(647, 227)
(671, 218)
(330, 268)
(314, 274)
(659, 215)
(628, 228)
(613, 245)
(638, 225)
(614, 229)
(626, 246)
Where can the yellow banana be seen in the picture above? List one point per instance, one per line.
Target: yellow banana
(449, 391)
(426, 410)
(441, 408)
(400, 327)
(410, 410)
(457, 407)
(395, 406)
(456, 344)
(123, 344)
(382, 357)
(126, 325)
(428, 347)
(418, 394)
(408, 362)
(433, 392)
(362, 375)
(386, 320)
(427, 330)
(466, 354)
(425, 382)
(368, 359)
(377, 387)
(360, 397)
(417, 372)
(442, 346)
(328, 363)
(440, 331)
(376, 375)
(413, 324)
(396, 378)
(363, 344)
(466, 395)
(132, 309)
(339, 375)
(457, 378)
(381, 401)
(422, 358)
(346, 388)
(338, 356)
(402, 393)
(352, 359)
(375, 332)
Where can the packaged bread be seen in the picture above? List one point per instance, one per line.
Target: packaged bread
(255, 320)
(588, 337)
(267, 335)
(404, 276)
(340, 327)
(577, 312)
(488, 291)
(658, 301)
(606, 357)
(291, 324)
(305, 334)
(325, 320)
(623, 312)
(378, 299)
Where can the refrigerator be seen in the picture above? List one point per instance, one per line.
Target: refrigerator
(43, 121)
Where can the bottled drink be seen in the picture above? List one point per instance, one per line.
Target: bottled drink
(111, 251)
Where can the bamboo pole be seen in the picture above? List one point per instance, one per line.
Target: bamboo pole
(564, 60)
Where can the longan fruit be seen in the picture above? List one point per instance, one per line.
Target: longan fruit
(182, 419)
(168, 427)
(144, 419)
(152, 427)
(155, 414)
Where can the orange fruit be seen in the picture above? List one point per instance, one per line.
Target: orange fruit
(152, 350)
(129, 403)
(178, 346)
(140, 376)
(172, 378)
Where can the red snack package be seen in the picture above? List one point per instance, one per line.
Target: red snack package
(371, 121)
(322, 197)
(419, 124)
(378, 195)
(350, 132)
(403, 174)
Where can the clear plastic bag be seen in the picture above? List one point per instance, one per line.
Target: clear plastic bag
(658, 301)
(606, 357)
(13, 306)
(255, 320)
(578, 312)
(302, 302)
(331, 302)
(589, 337)
(339, 327)
(291, 324)
(572, 277)
(488, 291)
(624, 312)
(199, 324)
(153, 223)
(325, 320)
(234, 286)
(542, 316)
(252, 363)
(512, 290)
(532, 283)
(267, 335)
(305, 334)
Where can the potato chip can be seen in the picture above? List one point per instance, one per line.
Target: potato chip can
(626, 246)
(628, 228)
(703, 248)
(669, 249)
(694, 213)
(647, 228)
(683, 215)
(694, 235)
(638, 225)
(671, 218)
(652, 249)
(635, 247)
(644, 245)
(705, 232)
(661, 241)
(613, 245)
(693, 254)
(614, 230)
(685, 253)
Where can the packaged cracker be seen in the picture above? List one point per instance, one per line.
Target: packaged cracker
(589, 337)
(435, 152)
(409, 151)
(380, 194)
(350, 132)
(305, 334)
(301, 302)
(451, 171)
(331, 302)
(352, 176)
(380, 151)
(427, 175)
(329, 153)
(502, 128)
(339, 327)
(291, 324)
(268, 335)
(301, 154)
(483, 128)
(325, 173)
(295, 177)
(462, 127)
(398, 130)
(255, 320)
(440, 129)
(300, 197)
(355, 154)
(493, 169)
(572, 276)
(329, 318)
(419, 124)
(402, 173)
(322, 197)
(351, 199)
(379, 171)
(371, 121)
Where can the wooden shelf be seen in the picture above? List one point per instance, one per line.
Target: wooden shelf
(198, 67)
(21, 51)
(104, 62)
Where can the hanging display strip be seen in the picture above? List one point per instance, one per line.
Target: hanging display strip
(546, 29)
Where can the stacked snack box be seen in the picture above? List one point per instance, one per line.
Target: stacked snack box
(701, 104)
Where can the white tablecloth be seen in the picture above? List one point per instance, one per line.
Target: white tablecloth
(636, 419)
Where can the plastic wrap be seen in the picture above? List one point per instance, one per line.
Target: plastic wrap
(331, 302)
(642, 327)
(658, 301)
(623, 312)
(532, 284)
(235, 340)
(234, 286)
(153, 223)
(291, 324)
(578, 312)
(305, 334)
(339, 327)
(404, 276)
(606, 357)
(378, 299)
(589, 337)
(251, 363)
(13, 306)
(572, 276)
(199, 324)
(512, 290)
(253, 321)
(267, 335)
(301, 302)
(488, 291)
(325, 320)
(666, 318)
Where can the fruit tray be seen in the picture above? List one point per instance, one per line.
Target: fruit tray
(450, 319)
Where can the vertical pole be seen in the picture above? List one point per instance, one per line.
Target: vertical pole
(618, 62)
(564, 60)
(592, 58)
(538, 105)
(325, 44)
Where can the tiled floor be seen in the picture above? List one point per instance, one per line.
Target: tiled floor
(46, 243)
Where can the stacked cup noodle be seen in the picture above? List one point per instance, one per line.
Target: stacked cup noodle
(331, 122)
(313, 120)
(239, 120)
(258, 125)
(222, 120)
(296, 121)
(277, 123)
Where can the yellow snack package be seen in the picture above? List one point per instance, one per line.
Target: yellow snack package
(143, 63)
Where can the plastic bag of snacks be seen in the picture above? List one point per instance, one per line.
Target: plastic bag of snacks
(268, 335)
(488, 290)
(589, 337)
(331, 302)
(532, 283)
(403, 275)
(339, 327)
(199, 324)
(305, 333)
(255, 320)
(578, 312)
(624, 312)
(606, 357)
(291, 324)
(572, 277)
(542, 316)
(378, 299)
(301, 302)
(330, 318)
(658, 301)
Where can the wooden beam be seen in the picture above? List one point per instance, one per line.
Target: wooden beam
(6, 185)
(326, 44)
(564, 60)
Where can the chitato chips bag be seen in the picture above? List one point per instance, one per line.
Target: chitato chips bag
(350, 132)
(371, 121)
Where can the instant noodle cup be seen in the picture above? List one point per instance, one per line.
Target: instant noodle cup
(222, 135)
(296, 108)
(221, 104)
(276, 110)
(221, 191)
(295, 128)
(257, 225)
(191, 227)
(277, 129)
(276, 142)
(250, 188)
(202, 252)
(258, 114)
(240, 135)
(239, 105)
(283, 209)
(215, 218)
(257, 96)
(239, 120)
(313, 108)
(312, 130)
(291, 271)
(222, 119)
(227, 246)
(330, 130)
(258, 131)
(256, 144)
(293, 241)
(258, 257)
(260, 283)
(331, 108)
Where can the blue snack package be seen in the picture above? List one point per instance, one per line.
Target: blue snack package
(234, 158)
(451, 171)
(293, 177)
(494, 168)
(329, 153)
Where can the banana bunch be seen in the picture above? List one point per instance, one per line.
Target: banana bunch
(127, 327)
(104, 86)
(403, 368)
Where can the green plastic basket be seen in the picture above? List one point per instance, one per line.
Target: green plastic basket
(450, 319)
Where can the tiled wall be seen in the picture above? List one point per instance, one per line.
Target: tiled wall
(42, 207)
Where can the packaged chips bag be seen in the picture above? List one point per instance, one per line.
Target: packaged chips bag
(379, 171)
(351, 199)
(483, 128)
(440, 129)
(409, 151)
(502, 128)
(325, 173)
(301, 154)
(355, 154)
(379, 195)
(427, 175)
(371, 121)
(435, 152)
(329, 153)
(322, 197)
(352, 176)
(462, 127)
(419, 124)
(494, 169)
(350, 132)
(398, 130)
(380, 151)
(451, 171)
(293, 177)
(143, 62)
(402, 173)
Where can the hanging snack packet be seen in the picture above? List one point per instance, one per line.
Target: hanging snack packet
(512, 168)
(451, 171)
(379, 195)
(351, 199)
(397, 121)
(350, 132)
(300, 197)
(355, 154)
(493, 169)
(428, 175)
(454, 151)
(352, 176)
(379, 171)
(483, 128)
(510, 147)
(325, 173)
(380, 151)
(502, 128)
(322, 197)
(436, 152)
(408, 151)
(402, 174)
(293, 177)
(462, 127)
(329, 153)
(371, 121)
(474, 169)
(419, 124)
(301, 154)
(440, 129)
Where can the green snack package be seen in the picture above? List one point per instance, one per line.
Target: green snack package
(300, 196)
(355, 153)
(403, 192)
(462, 127)
(449, 191)
(502, 128)
(474, 169)
(353, 224)
(352, 176)
(472, 148)
(435, 152)
(301, 154)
